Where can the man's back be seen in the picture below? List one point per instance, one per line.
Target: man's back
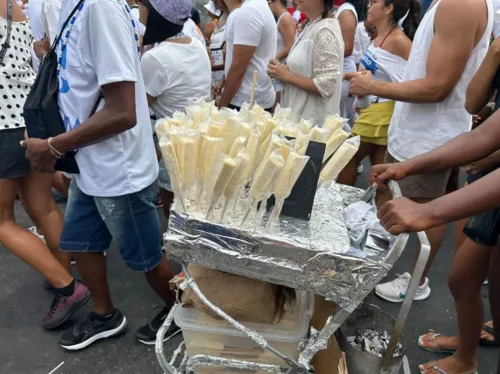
(417, 128)
(253, 25)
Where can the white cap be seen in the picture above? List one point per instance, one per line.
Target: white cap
(210, 6)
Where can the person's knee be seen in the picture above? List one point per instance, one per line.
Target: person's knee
(461, 285)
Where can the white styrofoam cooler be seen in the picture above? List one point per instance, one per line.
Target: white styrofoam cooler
(207, 336)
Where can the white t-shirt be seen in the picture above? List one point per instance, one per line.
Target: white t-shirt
(253, 24)
(175, 73)
(50, 18)
(102, 50)
(190, 29)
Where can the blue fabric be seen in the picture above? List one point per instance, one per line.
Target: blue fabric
(425, 5)
(131, 220)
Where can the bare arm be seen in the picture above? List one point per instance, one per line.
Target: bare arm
(242, 54)
(403, 215)
(456, 29)
(117, 115)
(462, 150)
(480, 197)
(481, 86)
(348, 25)
(287, 29)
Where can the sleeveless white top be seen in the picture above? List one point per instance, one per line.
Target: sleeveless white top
(349, 61)
(385, 67)
(280, 42)
(419, 128)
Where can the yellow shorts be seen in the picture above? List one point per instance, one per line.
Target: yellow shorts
(373, 122)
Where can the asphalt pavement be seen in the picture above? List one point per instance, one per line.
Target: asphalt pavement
(25, 348)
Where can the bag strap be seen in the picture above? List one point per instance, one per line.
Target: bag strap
(56, 41)
(96, 105)
(6, 43)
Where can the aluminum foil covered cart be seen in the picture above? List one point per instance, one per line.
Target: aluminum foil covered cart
(314, 256)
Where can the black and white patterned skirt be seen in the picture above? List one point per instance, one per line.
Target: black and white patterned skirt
(13, 163)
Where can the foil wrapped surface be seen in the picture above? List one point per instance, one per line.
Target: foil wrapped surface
(315, 256)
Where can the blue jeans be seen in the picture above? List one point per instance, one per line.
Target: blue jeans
(131, 220)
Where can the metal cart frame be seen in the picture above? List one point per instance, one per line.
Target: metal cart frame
(315, 344)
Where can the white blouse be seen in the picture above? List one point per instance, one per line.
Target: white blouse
(318, 53)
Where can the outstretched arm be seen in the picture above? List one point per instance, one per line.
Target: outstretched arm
(403, 215)
(456, 30)
(462, 150)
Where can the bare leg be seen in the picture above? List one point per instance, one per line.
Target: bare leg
(494, 290)
(158, 279)
(469, 269)
(59, 183)
(92, 268)
(37, 197)
(24, 244)
(167, 199)
(349, 175)
(435, 236)
(459, 236)
(468, 272)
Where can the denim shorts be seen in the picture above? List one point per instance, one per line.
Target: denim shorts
(131, 220)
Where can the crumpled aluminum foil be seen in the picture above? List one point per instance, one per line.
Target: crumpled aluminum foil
(314, 256)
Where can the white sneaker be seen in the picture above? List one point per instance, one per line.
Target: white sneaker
(395, 291)
(33, 230)
(360, 169)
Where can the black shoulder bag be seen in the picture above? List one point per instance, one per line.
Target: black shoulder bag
(41, 109)
(6, 43)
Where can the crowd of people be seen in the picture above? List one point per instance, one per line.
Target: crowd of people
(407, 75)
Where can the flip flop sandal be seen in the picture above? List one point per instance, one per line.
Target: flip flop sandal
(438, 369)
(433, 338)
(486, 342)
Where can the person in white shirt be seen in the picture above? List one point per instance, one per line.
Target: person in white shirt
(44, 21)
(111, 197)
(386, 58)
(176, 70)
(250, 45)
(448, 48)
(313, 73)
(287, 29)
(191, 29)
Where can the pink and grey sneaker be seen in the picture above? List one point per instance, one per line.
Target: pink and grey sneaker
(63, 307)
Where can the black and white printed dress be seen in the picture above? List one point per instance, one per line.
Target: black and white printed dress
(16, 79)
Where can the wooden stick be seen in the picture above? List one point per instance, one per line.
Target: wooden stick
(252, 94)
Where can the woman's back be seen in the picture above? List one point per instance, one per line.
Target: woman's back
(175, 72)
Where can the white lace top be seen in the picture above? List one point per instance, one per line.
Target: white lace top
(318, 53)
(16, 74)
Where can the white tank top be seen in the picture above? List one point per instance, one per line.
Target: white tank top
(385, 66)
(420, 128)
(280, 42)
(349, 61)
